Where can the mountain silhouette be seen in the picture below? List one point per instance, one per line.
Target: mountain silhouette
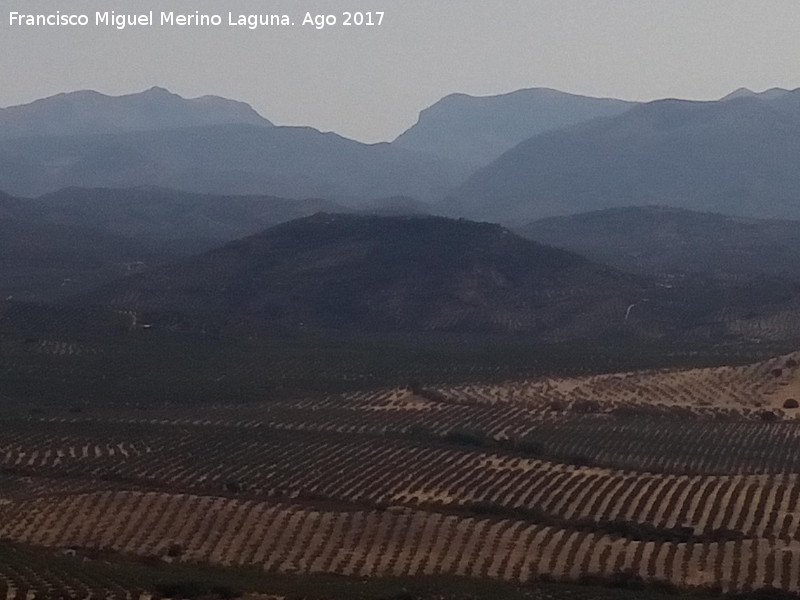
(735, 157)
(384, 274)
(291, 162)
(477, 130)
(90, 112)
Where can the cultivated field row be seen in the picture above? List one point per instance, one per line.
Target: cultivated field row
(387, 473)
(26, 574)
(298, 539)
(766, 384)
(691, 477)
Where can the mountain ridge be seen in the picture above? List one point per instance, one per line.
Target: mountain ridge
(92, 112)
(768, 94)
(477, 129)
(735, 157)
(241, 159)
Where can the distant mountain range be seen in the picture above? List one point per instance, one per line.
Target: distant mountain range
(559, 154)
(769, 94)
(477, 130)
(89, 112)
(671, 242)
(736, 157)
(206, 145)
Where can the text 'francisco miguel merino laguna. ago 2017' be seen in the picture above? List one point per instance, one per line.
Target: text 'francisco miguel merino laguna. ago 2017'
(169, 19)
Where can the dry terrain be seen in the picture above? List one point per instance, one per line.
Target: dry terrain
(690, 477)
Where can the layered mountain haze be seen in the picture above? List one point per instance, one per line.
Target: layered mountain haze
(293, 162)
(416, 274)
(205, 145)
(736, 157)
(769, 94)
(349, 397)
(90, 112)
(477, 130)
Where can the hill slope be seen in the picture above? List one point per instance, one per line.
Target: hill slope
(168, 216)
(669, 241)
(292, 162)
(477, 130)
(42, 262)
(733, 157)
(386, 273)
(75, 239)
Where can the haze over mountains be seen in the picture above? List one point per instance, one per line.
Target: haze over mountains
(477, 130)
(88, 112)
(217, 146)
(541, 153)
(734, 157)
(158, 214)
(743, 92)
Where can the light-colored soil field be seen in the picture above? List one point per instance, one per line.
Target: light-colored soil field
(691, 477)
(383, 542)
(763, 385)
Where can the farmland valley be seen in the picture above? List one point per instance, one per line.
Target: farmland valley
(243, 360)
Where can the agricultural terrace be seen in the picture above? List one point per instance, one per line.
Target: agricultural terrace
(690, 478)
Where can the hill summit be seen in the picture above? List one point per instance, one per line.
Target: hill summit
(476, 130)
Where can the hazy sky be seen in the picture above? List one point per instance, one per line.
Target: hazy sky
(369, 83)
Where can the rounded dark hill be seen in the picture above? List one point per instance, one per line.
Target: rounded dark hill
(386, 274)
